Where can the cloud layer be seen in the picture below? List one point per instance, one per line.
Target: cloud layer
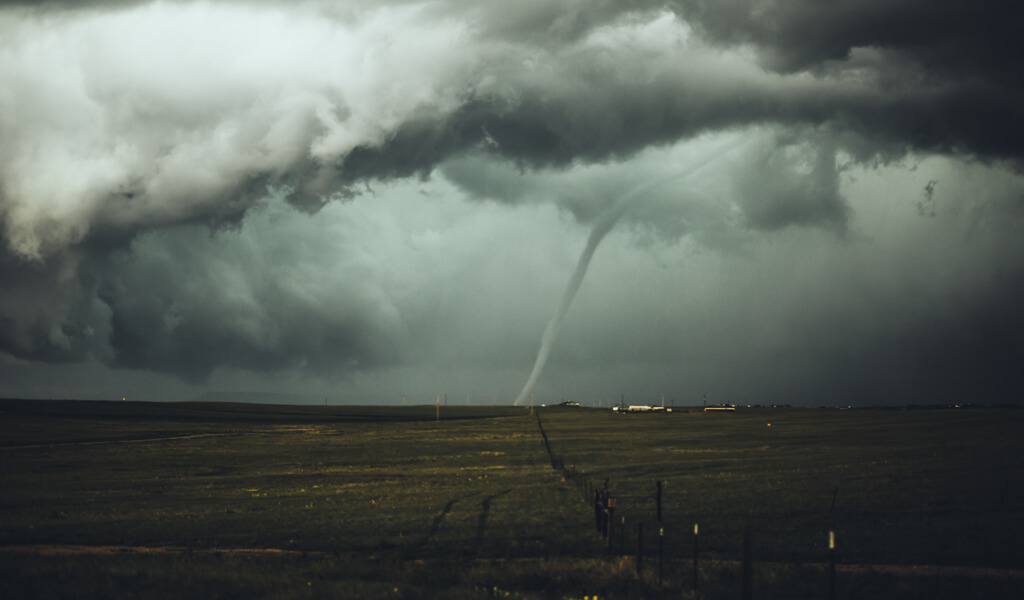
(191, 186)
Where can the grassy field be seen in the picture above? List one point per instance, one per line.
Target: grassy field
(225, 500)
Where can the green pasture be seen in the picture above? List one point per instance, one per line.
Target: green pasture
(218, 500)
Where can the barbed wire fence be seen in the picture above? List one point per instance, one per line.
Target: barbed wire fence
(623, 533)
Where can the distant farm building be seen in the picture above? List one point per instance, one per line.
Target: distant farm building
(641, 408)
(709, 409)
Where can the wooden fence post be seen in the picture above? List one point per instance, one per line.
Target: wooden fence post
(748, 567)
(639, 548)
(831, 565)
(696, 548)
(622, 537)
(661, 555)
(658, 500)
(610, 523)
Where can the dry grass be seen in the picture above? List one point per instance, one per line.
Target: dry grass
(286, 503)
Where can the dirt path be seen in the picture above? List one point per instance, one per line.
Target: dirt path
(435, 525)
(481, 521)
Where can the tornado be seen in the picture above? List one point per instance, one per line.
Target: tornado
(601, 228)
(604, 224)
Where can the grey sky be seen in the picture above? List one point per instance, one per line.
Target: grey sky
(367, 201)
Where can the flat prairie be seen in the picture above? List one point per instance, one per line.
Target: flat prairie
(166, 500)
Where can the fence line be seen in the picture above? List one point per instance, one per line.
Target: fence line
(605, 523)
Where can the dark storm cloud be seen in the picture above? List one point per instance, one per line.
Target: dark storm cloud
(234, 310)
(117, 135)
(42, 310)
(964, 56)
(956, 36)
(262, 296)
(585, 106)
(623, 88)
